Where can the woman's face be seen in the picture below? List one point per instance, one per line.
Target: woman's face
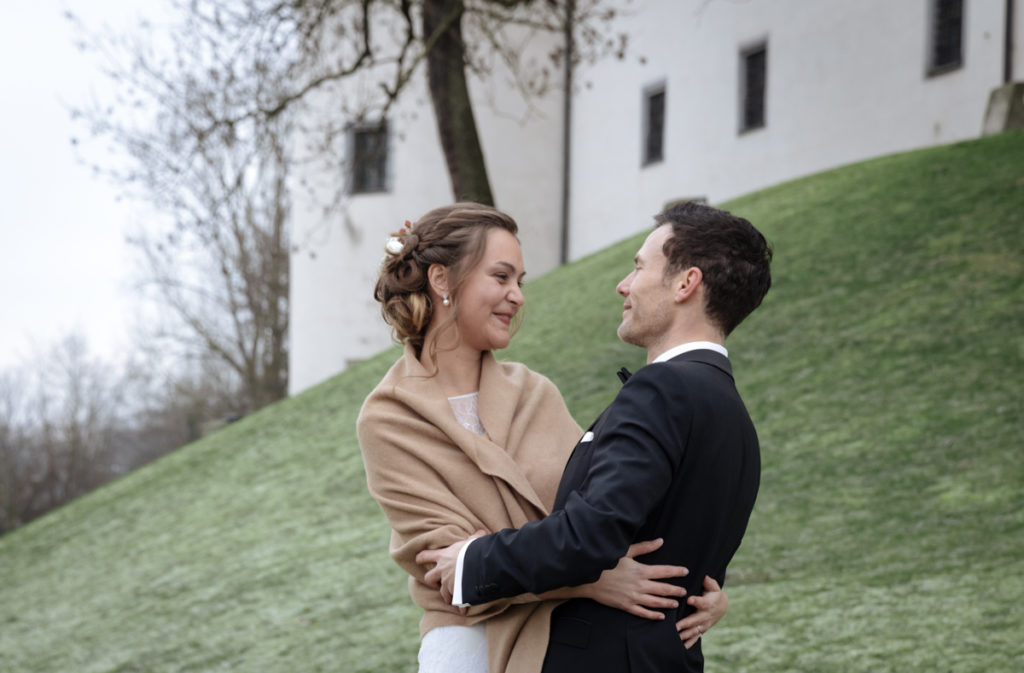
(491, 294)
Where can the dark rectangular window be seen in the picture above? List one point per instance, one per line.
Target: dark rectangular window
(654, 125)
(947, 36)
(753, 66)
(369, 158)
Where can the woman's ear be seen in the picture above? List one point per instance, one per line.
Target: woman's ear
(437, 277)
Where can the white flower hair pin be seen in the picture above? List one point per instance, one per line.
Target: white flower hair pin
(395, 244)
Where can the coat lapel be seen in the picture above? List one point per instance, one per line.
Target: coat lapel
(499, 400)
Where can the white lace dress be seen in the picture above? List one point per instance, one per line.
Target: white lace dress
(457, 649)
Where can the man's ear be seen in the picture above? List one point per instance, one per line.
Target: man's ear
(437, 277)
(686, 283)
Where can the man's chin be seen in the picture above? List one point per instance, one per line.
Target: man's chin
(625, 335)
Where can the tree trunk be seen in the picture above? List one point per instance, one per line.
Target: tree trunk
(446, 77)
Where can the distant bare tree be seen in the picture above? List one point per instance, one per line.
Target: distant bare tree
(58, 427)
(223, 267)
(218, 266)
(70, 422)
(12, 446)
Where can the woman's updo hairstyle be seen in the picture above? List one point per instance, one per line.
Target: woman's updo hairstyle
(454, 236)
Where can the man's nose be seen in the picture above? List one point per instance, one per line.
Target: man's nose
(623, 287)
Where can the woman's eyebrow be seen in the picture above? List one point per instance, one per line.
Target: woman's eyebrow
(509, 266)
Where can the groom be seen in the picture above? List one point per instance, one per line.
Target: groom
(675, 456)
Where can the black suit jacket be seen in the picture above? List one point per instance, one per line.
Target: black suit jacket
(674, 456)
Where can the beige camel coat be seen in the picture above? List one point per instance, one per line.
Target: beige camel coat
(437, 482)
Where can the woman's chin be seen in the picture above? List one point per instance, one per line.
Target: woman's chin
(500, 342)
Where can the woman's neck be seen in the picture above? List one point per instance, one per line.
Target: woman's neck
(458, 369)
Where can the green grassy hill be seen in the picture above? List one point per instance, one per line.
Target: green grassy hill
(885, 373)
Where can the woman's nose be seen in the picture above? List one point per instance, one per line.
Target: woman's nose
(515, 296)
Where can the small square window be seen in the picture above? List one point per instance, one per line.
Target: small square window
(753, 82)
(947, 36)
(368, 155)
(654, 125)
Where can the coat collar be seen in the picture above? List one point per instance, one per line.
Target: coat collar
(708, 357)
(500, 394)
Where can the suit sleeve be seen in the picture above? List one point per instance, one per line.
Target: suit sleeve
(635, 454)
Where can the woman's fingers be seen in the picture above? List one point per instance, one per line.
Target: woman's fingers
(656, 601)
(641, 548)
(664, 572)
(664, 589)
(640, 611)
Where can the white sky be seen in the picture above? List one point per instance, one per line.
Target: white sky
(63, 262)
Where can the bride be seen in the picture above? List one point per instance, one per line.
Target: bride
(456, 442)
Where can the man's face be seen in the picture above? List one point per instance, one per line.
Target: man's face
(647, 310)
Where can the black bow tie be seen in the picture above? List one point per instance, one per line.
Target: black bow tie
(623, 375)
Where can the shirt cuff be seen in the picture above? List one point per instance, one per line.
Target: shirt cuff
(457, 589)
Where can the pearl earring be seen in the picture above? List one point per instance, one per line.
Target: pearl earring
(444, 299)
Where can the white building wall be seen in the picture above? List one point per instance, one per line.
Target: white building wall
(1018, 41)
(334, 318)
(845, 81)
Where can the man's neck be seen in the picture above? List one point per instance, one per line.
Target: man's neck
(681, 338)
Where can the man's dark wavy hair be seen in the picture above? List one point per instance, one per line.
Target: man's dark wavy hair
(734, 259)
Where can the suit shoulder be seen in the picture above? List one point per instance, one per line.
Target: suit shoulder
(679, 380)
(700, 369)
(656, 384)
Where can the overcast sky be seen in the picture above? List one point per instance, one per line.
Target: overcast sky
(63, 262)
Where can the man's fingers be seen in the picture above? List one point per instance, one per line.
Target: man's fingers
(689, 633)
(428, 556)
(641, 548)
(684, 625)
(710, 584)
(433, 578)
